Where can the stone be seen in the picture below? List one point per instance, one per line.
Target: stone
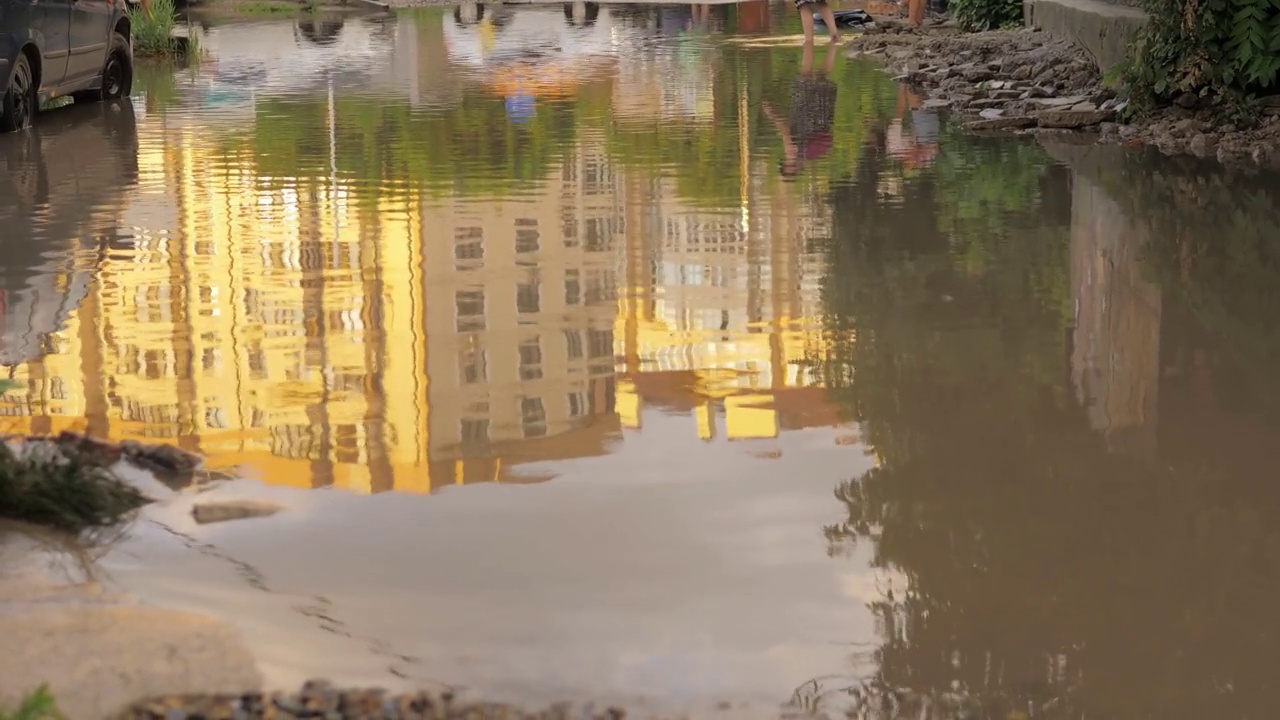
(1016, 122)
(1072, 119)
(1188, 126)
(36, 449)
(1203, 145)
(1059, 102)
(1084, 107)
(991, 114)
(161, 458)
(212, 511)
(90, 449)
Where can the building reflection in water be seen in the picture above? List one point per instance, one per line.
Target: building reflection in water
(318, 331)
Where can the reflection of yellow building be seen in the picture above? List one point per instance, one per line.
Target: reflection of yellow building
(521, 297)
(283, 328)
(721, 308)
(313, 333)
(659, 85)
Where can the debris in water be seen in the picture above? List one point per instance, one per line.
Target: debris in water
(214, 511)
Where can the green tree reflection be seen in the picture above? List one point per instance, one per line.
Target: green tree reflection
(474, 148)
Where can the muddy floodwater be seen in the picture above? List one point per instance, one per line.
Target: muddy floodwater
(630, 353)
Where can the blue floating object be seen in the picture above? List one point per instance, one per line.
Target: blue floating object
(521, 107)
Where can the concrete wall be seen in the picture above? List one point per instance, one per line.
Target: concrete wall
(1104, 29)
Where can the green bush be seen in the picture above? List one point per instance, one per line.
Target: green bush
(1217, 52)
(987, 14)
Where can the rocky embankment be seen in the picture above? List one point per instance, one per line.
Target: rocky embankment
(1025, 81)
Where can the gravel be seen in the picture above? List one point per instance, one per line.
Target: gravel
(321, 699)
(1024, 81)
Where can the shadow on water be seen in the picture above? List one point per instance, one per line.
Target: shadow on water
(1068, 376)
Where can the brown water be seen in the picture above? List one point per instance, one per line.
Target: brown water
(974, 416)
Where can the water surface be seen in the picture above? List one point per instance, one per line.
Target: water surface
(973, 417)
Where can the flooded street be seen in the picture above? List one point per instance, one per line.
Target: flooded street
(579, 374)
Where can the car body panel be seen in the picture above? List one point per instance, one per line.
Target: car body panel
(72, 37)
(92, 22)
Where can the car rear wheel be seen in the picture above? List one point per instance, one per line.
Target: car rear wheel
(18, 106)
(117, 74)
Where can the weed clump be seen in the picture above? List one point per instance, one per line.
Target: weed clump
(64, 489)
(38, 705)
(153, 30)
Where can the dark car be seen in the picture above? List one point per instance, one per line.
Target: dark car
(52, 48)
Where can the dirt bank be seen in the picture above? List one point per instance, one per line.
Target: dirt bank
(98, 650)
(1017, 81)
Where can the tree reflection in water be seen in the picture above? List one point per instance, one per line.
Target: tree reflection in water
(1057, 566)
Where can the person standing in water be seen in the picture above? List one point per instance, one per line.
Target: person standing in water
(807, 8)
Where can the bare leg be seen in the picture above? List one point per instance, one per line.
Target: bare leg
(806, 59)
(831, 60)
(829, 18)
(806, 20)
(915, 12)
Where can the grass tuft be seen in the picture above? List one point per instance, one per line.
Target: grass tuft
(153, 30)
(38, 705)
(64, 491)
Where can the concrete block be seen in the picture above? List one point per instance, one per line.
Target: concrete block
(1104, 29)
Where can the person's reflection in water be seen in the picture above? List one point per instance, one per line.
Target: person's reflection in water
(915, 146)
(699, 17)
(806, 134)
